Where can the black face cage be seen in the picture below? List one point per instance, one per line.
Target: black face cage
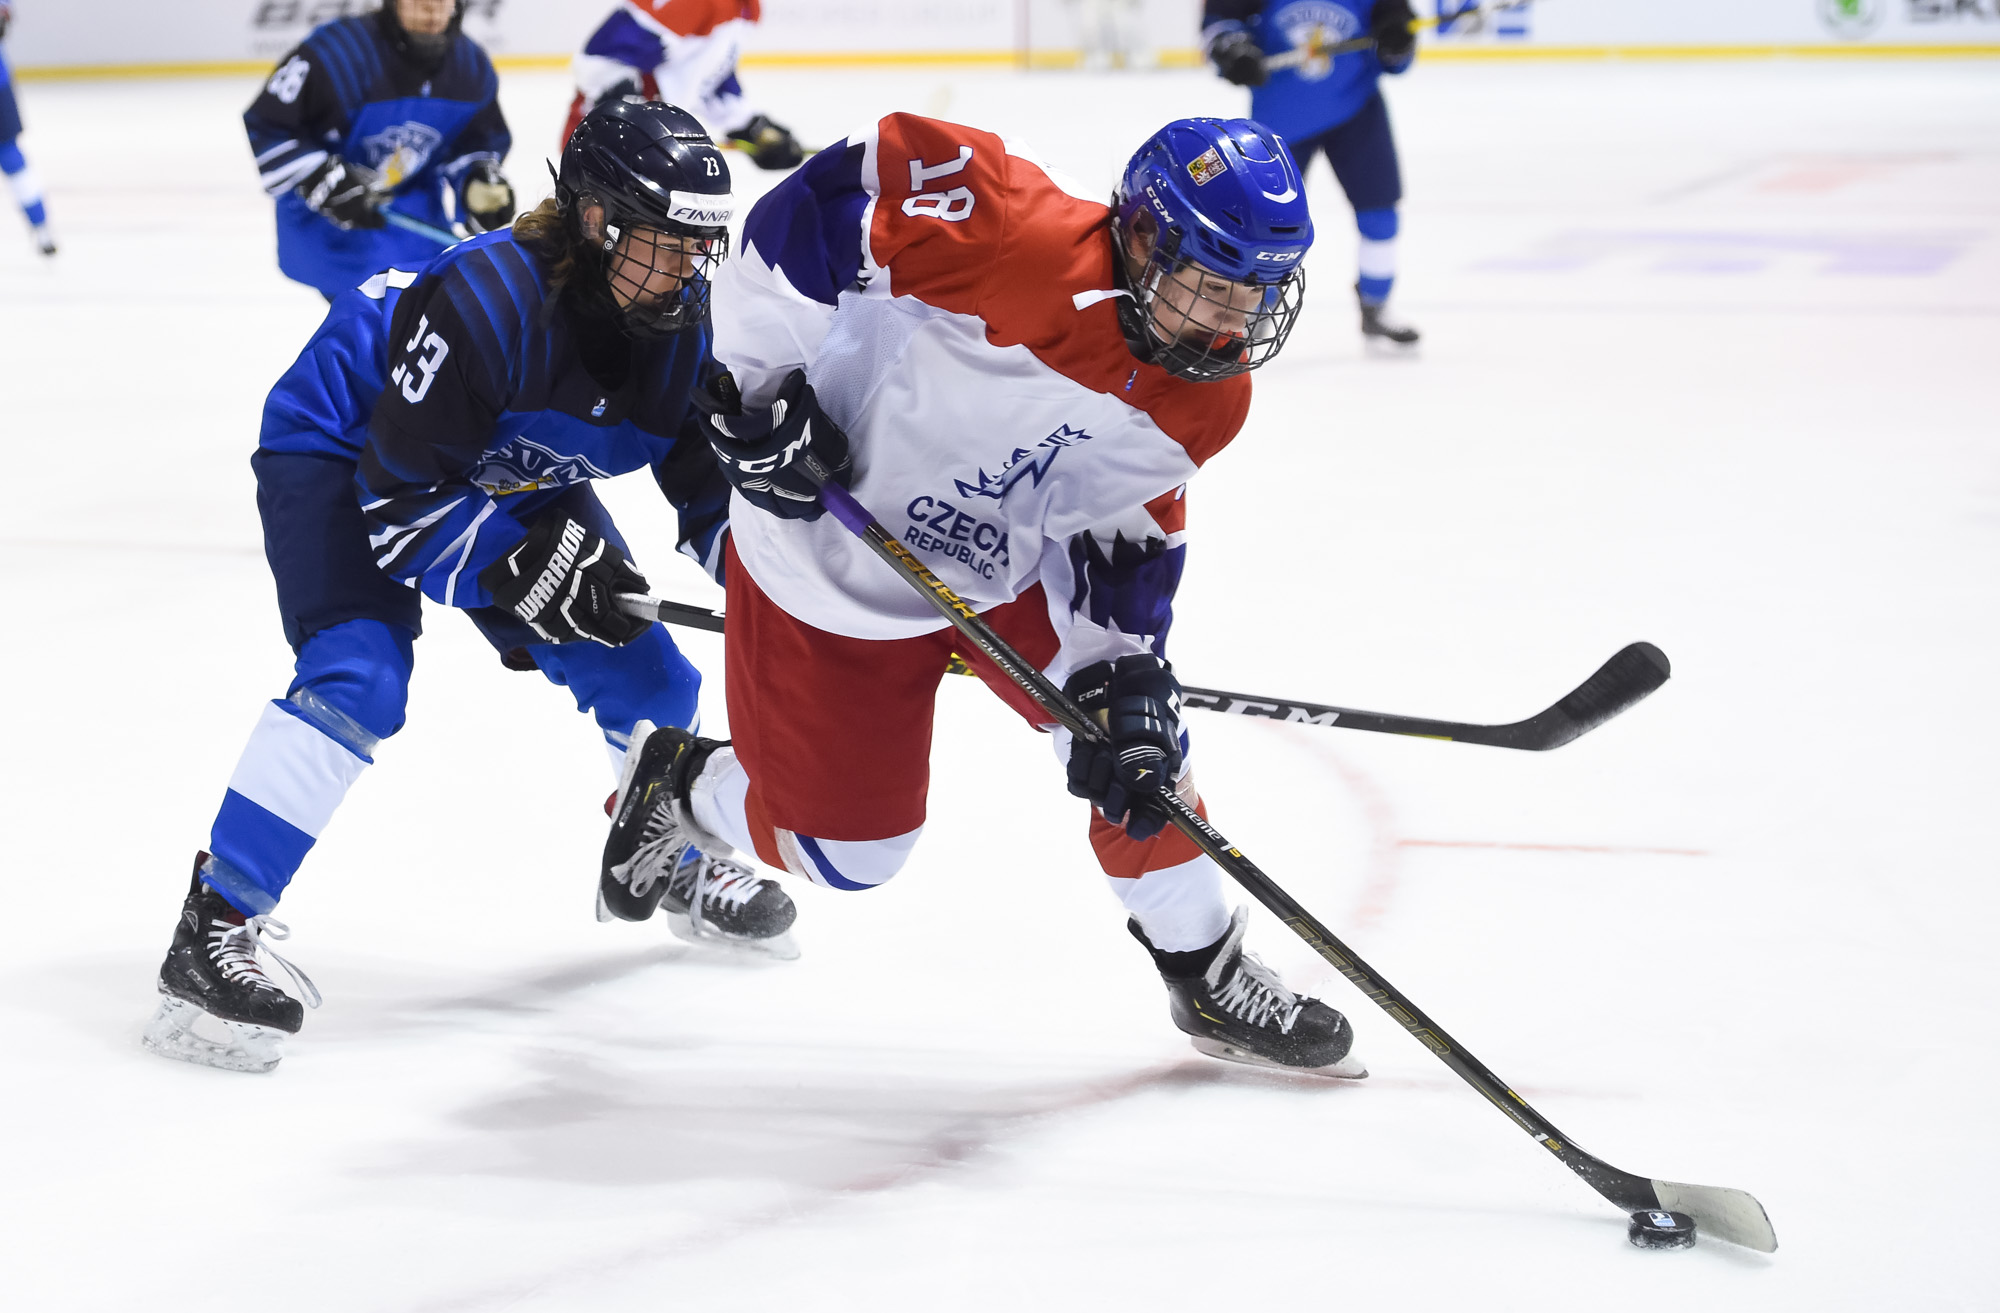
(1198, 336)
(633, 253)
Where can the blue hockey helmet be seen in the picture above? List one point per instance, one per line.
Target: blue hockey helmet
(1211, 225)
(664, 192)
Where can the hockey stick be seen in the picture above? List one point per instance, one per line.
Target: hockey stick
(1299, 55)
(397, 219)
(1730, 1214)
(1629, 676)
(1619, 683)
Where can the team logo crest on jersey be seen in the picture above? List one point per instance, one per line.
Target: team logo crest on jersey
(524, 466)
(400, 150)
(1026, 463)
(1315, 26)
(1206, 165)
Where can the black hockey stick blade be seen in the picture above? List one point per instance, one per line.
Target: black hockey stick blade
(1628, 677)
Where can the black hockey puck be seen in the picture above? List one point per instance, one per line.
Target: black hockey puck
(1655, 1228)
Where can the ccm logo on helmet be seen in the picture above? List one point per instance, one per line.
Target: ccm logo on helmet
(1279, 257)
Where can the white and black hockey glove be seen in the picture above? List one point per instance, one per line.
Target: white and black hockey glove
(776, 458)
(489, 198)
(343, 194)
(1138, 702)
(564, 580)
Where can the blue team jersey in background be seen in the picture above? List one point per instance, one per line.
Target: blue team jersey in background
(346, 91)
(1300, 103)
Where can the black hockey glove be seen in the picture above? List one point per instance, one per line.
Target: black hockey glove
(769, 145)
(618, 91)
(1238, 59)
(776, 458)
(489, 198)
(1138, 702)
(343, 194)
(564, 580)
(1390, 27)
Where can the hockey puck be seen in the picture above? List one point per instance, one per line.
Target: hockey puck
(1655, 1228)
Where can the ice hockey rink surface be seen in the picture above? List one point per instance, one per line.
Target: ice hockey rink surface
(1709, 360)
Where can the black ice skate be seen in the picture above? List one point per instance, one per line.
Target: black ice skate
(217, 1007)
(1237, 1009)
(658, 857)
(1377, 327)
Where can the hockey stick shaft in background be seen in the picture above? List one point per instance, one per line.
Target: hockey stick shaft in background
(397, 219)
(1619, 683)
(1731, 1214)
(1301, 54)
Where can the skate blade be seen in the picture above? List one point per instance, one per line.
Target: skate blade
(779, 946)
(185, 1033)
(1389, 347)
(1348, 1068)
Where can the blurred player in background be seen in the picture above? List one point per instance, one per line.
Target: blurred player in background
(1328, 104)
(21, 179)
(683, 52)
(1023, 381)
(393, 110)
(1112, 34)
(437, 439)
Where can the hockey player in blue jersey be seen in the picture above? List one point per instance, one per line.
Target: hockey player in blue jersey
(389, 110)
(436, 439)
(21, 179)
(1330, 104)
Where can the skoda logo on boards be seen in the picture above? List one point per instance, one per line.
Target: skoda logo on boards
(1851, 19)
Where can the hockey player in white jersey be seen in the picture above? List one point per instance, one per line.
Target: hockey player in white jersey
(1020, 381)
(682, 51)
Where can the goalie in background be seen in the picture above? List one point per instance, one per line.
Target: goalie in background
(394, 109)
(683, 52)
(1327, 104)
(21, 179)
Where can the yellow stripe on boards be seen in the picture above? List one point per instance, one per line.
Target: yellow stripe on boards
(1058, 59)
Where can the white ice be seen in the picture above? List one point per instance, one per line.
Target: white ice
(1709, 360)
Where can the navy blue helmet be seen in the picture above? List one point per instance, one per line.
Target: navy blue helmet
(424, 49)
(660, 193)
(1218, 210)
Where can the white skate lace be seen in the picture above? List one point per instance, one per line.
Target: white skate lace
(661, 844)
(233, 948)
(717, 880)
(1255, 994)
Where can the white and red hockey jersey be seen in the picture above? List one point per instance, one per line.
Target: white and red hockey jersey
(681, 51)
(952, 303)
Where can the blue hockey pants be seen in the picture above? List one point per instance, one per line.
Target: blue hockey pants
(354, 631)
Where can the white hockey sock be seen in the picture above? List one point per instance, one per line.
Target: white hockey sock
(1378, 258)
(1180, 908)
(719, 798)
(27, 188)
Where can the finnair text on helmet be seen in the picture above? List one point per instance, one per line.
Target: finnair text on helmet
(702, 209)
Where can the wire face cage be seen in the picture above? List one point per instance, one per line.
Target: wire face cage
(1203, 326)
